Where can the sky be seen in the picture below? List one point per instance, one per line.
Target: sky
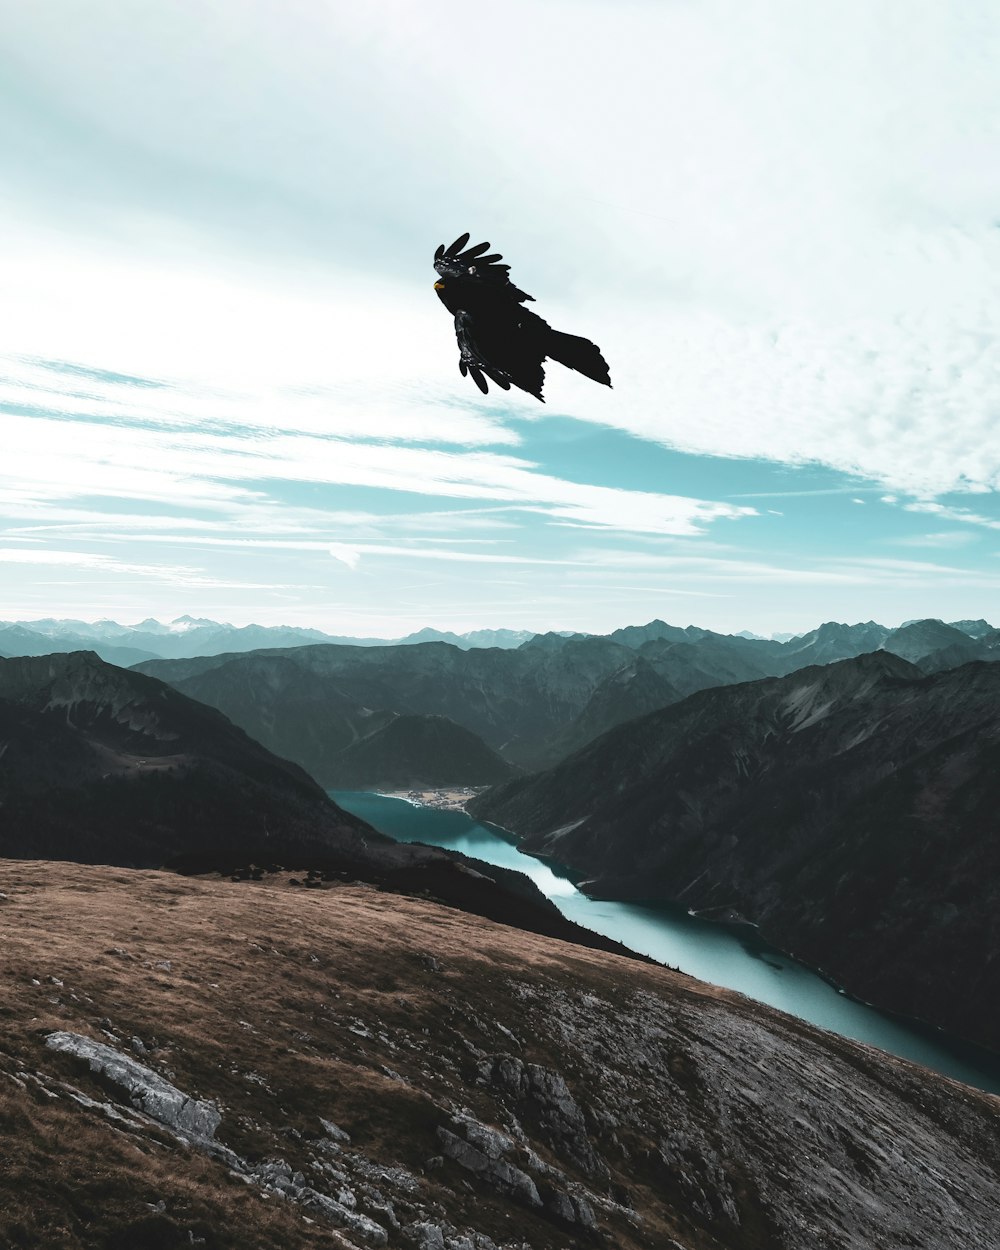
(227, 387)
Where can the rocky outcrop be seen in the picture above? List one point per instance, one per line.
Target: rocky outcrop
(541, 1098)
(145, 1089)
(196, 1122)
(514, 1169)
(847, 810)
(482, 1150)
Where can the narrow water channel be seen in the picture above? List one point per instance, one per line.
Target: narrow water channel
(733, 958)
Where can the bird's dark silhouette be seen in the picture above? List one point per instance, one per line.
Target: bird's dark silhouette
(498, 338)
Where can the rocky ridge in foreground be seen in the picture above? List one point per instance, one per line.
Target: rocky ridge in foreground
(246, 1066)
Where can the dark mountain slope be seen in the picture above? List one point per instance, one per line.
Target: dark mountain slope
(100, 764)
(294, 712)
(517, 701)
(633, 690)
(828, 643)
(416, 752)
(923, 638)
(533, 705)
(707, 662)
(848, 810)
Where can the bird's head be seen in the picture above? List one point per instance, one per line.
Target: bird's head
(458, 263)
(461, 267)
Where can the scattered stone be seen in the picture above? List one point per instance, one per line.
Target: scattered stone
(480, 1150)
(338, 1214)
(335, 1131)
(386, 1214)
(425, 1236)
(147, 1090)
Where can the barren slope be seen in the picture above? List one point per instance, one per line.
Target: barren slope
(496, 1088)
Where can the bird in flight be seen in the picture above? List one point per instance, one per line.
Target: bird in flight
(498, 338)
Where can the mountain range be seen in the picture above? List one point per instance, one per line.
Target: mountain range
(532, 705)
(847, 810)
(188, 636)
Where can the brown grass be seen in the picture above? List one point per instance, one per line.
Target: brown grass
(285, 1005)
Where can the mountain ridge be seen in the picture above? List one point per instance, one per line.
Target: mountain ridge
(844, 809)
(262, 1066)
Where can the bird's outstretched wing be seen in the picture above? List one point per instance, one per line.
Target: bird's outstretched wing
(493, 347)
(471, 265)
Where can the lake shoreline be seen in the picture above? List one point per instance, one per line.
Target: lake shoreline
(734, 956)
(445, 799)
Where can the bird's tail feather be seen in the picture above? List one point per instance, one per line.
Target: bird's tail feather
(579, 354)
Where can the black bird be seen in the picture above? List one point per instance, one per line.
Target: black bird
(498, 337)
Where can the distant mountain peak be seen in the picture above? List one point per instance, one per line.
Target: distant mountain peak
(183, 623)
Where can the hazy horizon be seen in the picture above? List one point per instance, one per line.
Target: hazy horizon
(243, 624)
(225, 376)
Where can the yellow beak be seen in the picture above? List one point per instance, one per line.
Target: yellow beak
(438, 286)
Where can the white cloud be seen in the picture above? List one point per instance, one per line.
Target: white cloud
(62, 460)
(174, 574)
(948, 513)
(941, 538)
(349, 556)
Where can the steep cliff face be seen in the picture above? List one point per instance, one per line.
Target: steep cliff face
(849, 811)
(248, 1066)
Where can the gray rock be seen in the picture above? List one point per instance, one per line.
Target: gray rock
(360, 1225)
(495, 1171)
(544, 1097)
(425, 1236)
(146, 1089)
(334, 1131)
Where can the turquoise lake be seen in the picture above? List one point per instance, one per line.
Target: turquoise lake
(724, 956)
